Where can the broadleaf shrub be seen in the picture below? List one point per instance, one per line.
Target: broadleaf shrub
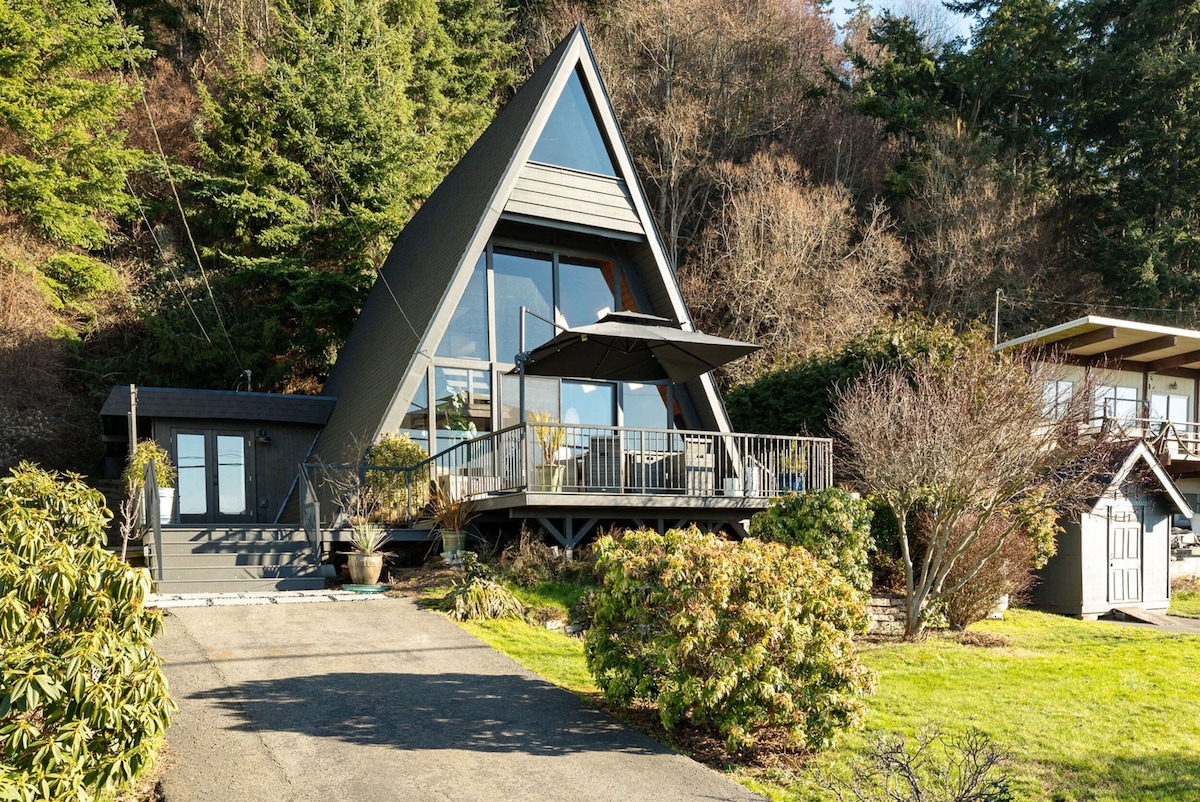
(832, 525)
(737, 637)
(83, 697)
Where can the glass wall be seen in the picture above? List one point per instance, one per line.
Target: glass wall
(467, 335)
(454, 400)
(464, 404)
(522, 279)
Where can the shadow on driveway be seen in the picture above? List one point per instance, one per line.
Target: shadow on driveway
(480, 713)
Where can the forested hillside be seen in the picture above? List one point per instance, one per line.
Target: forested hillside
(193, 189)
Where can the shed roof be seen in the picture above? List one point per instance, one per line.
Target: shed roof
(1115, 343)
(1127, 459)
(169, 402)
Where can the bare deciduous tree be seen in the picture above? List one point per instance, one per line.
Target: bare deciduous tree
(789, 264)
(968, 444)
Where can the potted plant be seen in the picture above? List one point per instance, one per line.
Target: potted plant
(793, 467)
(550, 440)
(366, 559)
(134, 477)
(451, 511)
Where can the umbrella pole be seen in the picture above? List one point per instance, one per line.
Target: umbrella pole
(521, 358)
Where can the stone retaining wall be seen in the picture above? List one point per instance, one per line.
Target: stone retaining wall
(887, 615)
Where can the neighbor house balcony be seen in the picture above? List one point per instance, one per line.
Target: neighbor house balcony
(571, 477)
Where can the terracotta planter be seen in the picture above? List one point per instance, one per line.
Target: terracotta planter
(453, 542)
(365, 568)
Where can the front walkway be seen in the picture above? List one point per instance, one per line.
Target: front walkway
(382, 701)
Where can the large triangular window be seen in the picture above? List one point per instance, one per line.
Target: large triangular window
(572, 137)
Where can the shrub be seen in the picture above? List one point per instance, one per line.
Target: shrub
(530, 561)
(83, 698)
(398, 492)
(134, 475)
(970, 767)
(478, 596)
(733, 636)
(832, 525)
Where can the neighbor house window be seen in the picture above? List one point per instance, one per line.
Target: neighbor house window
(1116, 402)
(1056, 397)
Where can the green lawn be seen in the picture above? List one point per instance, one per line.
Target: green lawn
(1090, 710)
(1186, 604)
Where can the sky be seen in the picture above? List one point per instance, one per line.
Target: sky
(929, 11)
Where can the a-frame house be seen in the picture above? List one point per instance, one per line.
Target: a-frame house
(544, 212)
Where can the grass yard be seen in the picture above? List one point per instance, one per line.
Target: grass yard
(1091, 711)
(1185, 598)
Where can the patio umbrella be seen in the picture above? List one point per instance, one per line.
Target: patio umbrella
(628, 346)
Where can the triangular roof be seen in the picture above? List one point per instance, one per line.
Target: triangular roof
(432, 259)
(1125, 462)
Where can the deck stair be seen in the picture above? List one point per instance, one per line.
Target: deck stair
(233, 559)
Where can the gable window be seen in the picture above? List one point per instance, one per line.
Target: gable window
(572, 137)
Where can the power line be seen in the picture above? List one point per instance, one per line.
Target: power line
(175, 192)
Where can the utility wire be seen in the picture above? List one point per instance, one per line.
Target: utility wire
(166, 261)
(175, 191)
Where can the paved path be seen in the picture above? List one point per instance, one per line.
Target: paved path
(382, 701)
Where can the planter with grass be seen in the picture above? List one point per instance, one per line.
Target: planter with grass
(451, 511)
(366, 560)
(549, 474)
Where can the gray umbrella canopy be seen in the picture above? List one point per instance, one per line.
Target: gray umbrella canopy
(632, 347)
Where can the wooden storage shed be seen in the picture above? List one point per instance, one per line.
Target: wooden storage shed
(1117, 553)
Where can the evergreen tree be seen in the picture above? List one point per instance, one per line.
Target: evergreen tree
(1132, 148)
(62, 158)
(317, 151)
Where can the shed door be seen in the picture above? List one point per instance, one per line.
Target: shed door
(1124, 554)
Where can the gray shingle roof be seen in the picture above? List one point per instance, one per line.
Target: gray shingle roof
(167, 402)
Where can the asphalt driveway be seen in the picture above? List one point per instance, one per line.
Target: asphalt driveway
(381, 701)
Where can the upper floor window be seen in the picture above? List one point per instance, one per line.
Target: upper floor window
(467, 335)
(1056, 397)
(1115, 402)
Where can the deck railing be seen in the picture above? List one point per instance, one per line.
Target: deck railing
(1179, 439)
(574, 459)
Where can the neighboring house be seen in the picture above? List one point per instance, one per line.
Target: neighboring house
(544, 212)
(1144, 382)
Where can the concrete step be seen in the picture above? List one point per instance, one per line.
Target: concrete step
(1130, 613)
(240, 586)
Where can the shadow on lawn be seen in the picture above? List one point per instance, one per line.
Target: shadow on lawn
(502, 713)
(1165, 776)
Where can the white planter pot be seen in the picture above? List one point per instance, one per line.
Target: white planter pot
(166, 505)
(733, 487)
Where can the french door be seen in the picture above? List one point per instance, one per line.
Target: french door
(216, 473)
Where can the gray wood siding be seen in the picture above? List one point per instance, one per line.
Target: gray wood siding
(276, 464)
(555, 193)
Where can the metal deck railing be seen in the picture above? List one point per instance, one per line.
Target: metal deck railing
(569, 459)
